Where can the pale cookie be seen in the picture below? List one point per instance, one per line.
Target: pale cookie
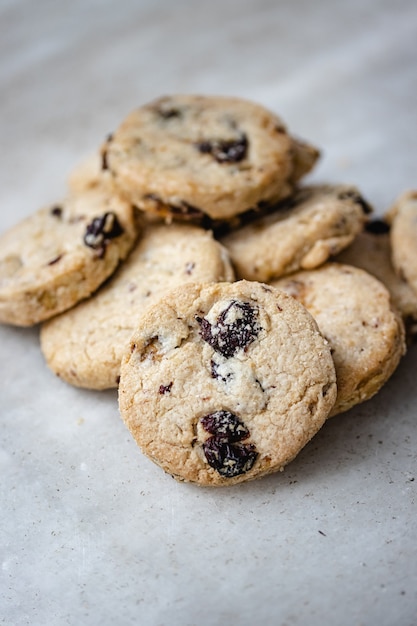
(88, 174)
(84, 346)
(301, 233)
(61, 254)
(403, 218)
(354, 312)
(227, 382)
(371, 251)
(191, 157)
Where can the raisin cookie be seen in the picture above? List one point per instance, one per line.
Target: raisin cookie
(371, 251)
(354, 312)
(301, 233)
(403, 219)
(224, 383)
(194, 157)
(62, 253)
(84, 346)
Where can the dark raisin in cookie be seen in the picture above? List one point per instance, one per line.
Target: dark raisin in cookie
(195, 157)
(61, 254)
(84, 346)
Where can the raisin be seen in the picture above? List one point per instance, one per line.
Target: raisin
(229, 459)
(56, 211)
(225, 424)
(163, 389)
(237, 326)
(225, 151)
(357, 199)
(224, 450)
(377, 227)
(99, 232)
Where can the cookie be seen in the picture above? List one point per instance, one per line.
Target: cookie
(223, 383)
(301, 233)
(88, 174)
(84, 346)
(61, 254)
(194, 157)
(403, 218)
(371, 251)
(354, 312)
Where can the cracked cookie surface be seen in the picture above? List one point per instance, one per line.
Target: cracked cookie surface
(62, 253)
(354, 312)
(190, 157)
(224, 383)
(84, 346)
(317, 221)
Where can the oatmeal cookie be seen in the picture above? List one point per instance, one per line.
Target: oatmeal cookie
(194, 157)
(84, 346)
(62, 253)
(223, 383)
(371, 251)
(354, 312)
(302, 232)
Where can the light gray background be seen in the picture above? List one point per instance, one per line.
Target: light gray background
(92, 533)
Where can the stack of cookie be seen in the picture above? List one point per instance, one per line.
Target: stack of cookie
(189, 267)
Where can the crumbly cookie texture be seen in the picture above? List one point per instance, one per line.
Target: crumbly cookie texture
(403, 219)
(316, 222)
(354, 312)
(190, 157)
(371, 251)
(84, 346)
(223, 383)
(62, 253)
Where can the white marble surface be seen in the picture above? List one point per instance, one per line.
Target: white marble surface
(92, 533)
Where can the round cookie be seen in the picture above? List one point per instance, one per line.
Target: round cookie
(84, 346)
(194, 157)
(371, 251)
(302, 233)
(403, 219)
(354, 312)
(62, 253)
(224, 383)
